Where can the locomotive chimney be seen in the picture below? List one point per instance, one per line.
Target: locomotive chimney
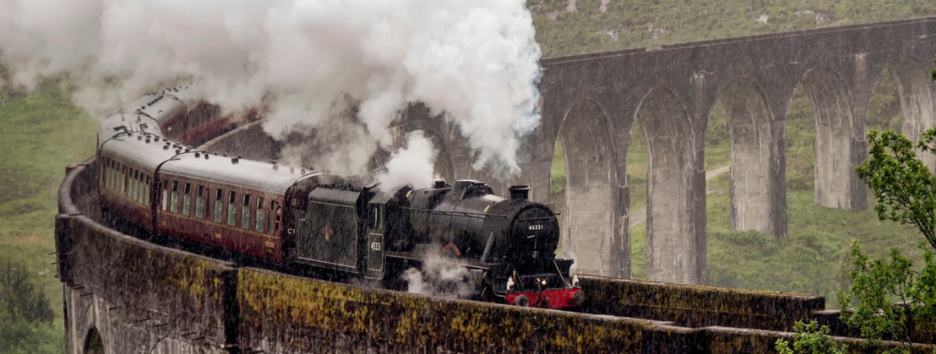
(519, 192)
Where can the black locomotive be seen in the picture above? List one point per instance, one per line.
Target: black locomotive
(290, 215)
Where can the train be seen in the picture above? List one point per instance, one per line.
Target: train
(151, 178)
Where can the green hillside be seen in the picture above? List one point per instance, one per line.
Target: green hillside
(40, 134)
(651, 24)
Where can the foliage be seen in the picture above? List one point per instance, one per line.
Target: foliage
(19, 298)
(905, 190)
(933, 73)
(26, 319)
(810, 339)
(903, 186)
(877, 284)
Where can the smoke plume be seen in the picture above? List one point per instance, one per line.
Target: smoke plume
(439, 277)
(475, 61)
(410, 165)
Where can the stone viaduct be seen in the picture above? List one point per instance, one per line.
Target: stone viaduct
(591, 102)
(124, 295)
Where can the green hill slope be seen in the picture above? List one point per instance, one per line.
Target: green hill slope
(591, 27)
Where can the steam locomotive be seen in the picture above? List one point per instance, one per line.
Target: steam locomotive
(296, 216)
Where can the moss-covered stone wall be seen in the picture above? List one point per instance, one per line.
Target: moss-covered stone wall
(697, 306)
(279, 311)
(143, 282)
(185, 291)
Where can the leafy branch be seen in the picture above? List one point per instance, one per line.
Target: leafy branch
(903, 186)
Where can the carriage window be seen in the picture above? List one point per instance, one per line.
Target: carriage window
(165, 194)
(187, 199)
(135, 192)
(260, 213)
(277, 216)
(232, 208)
(245, 213)
(174, 198)
(218, 205)
(123, 180)
(146, 190)
(272, 216)
(200, 202)
(109, 173)
(141, 185)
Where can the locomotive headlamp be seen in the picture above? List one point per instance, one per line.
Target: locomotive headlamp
(575, 281)
(543, 282)
(510, 284)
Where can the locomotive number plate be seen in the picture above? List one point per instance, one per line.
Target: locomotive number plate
(536, 227)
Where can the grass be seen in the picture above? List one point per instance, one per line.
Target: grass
(40, 134)
(651, 24)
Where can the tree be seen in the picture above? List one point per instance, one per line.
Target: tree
(25, 314)
(19, 298)
(906, 193)
(903, 186)
(876, 285)
(810, 339)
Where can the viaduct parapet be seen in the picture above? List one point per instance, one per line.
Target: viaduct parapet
(125, 295)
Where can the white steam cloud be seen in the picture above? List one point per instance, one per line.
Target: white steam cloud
(437, 277)
(476, 61)
(411, 165)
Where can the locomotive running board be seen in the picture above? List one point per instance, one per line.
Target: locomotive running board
(409, 256)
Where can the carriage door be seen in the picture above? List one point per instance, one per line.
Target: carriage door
(376, 222)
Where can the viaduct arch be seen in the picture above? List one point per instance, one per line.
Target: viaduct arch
(755, 77)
